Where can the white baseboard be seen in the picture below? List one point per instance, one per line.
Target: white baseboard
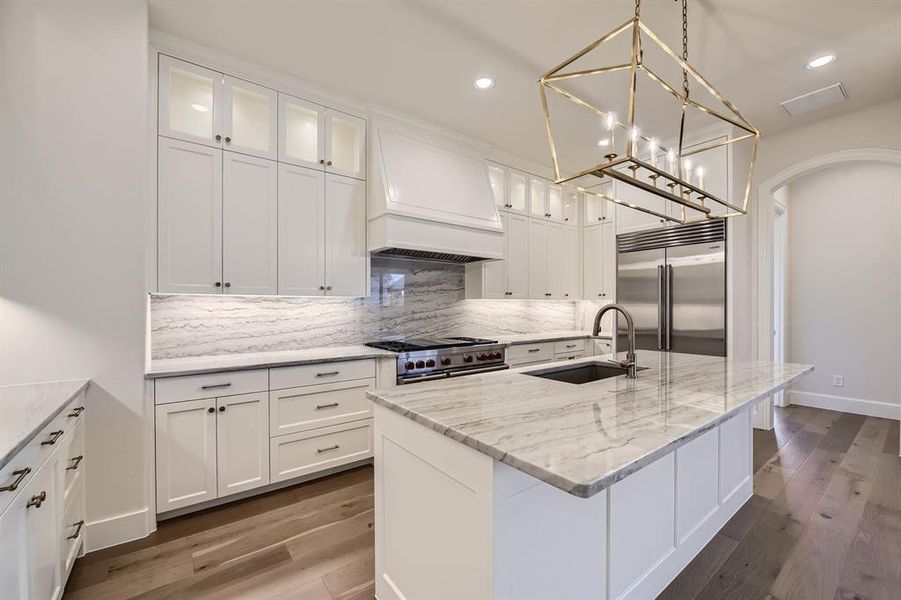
(857, 406)
(117, 530)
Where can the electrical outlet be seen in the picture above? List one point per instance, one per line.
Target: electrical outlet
(838, 381)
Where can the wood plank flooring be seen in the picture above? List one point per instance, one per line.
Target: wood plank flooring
(824, 523)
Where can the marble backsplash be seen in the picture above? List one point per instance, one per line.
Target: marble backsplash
(407, 297)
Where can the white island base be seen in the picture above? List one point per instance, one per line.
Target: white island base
(452, 522)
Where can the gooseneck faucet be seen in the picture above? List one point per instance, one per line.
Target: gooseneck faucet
(629, 363)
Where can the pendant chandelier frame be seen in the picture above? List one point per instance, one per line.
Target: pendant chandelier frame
(676, 187)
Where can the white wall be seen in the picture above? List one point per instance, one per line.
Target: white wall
(73, 122)
(844, 257)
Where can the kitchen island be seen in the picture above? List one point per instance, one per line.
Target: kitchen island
(507, 485)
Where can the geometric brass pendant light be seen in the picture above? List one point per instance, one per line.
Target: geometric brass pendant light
(628, 150)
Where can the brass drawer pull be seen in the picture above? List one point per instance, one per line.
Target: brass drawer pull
(215, 386)
(327, 373)
(76, 461)
(21, 474)
(321, 450)
(37, 500)
(571, 345)
(76, 411)
(54, 436)
(534, 349)
(321, 406)
(77, 533)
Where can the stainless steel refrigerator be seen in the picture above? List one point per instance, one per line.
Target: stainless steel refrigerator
(673, 281)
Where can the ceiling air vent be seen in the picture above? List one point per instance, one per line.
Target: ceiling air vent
(827, 96)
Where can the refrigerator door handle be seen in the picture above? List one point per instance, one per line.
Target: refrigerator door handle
(668, 285)
(661, 307)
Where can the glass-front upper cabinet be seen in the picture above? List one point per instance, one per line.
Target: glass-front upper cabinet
(345, 148)
(537, 197)
(571, 206)
(496, 176)
(596, 208)
(249, 117)
(518, 194)
(301, 134)
(555, 202)
(190, 102)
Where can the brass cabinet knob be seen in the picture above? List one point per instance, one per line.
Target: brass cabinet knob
(211, 410)
(322, 288)
(221, 409)
(218, 284)
(228, 284)
(228, 139)
(321, 161)
(328, 163)
(328, 288)
(218, 138)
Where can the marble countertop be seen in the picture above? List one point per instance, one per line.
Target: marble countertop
(195, 365)
(28, 408)
(584, 438)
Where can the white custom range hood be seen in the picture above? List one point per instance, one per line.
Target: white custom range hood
(429, 200)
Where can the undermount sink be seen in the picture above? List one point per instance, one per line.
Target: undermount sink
(585, 372)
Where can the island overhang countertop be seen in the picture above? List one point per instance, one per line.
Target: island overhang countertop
(584, 438)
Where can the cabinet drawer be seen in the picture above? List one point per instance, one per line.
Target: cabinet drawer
(214, 385)
(74, 462)
(569, 346)
(569, 355)
(72, 531)
(311, 451)
(288, 377)
(603, 347)
(309, 407)
(531, 352)
(525, 362)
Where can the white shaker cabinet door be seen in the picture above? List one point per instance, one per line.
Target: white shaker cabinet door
(301, 235)
(345, 237)
(185, 453)
(494, 272)
(250, 118)
(556, 261)
(538, 247)
(250, 225)
(301, 132)
(517, 261)
(13, 541)
(242, 442)
(538, 197)
(345, 144)
(608, 258)
(190, 218)
(42, 522)
(572, 288)
(593, 262)
(190, 102)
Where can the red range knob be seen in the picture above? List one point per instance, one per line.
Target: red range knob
(482, 356)
(467, 358)
(430, 363)
(420, 364)
(446, 361)
(409, 365)
(495, 355)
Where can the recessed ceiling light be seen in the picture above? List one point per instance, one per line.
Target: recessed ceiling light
(821, 61)
(199, 107)
(483, 83)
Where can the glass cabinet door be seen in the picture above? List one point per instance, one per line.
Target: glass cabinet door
(555, 202)
(596, 208)
(538, 197)
(571, 199)
(496, 177)
(301, 132)
(190, 102)
(250, 118)
(345, 150)
(518, 192)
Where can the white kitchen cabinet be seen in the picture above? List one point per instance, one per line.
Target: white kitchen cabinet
(301, 235)
(299, 454)
(249, 115)
(249, 225)
(13, 544)
(508, 278)
(242, 442)
(190, 102)
(190, 218)
(571, 262)
(599, 260)
(538, 260)
(497, 177)
(553, 261)
(572, 200)
(538, 195)
(345, 144)
(555, 203)
(518, 194)
(597, 209)
(185, 453)
(628, 219)
(346, 255)
(556, 258)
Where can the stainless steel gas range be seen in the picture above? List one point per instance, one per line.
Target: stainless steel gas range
(425, 359)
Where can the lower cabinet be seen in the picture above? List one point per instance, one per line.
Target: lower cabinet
(319, 449)
(242, 442)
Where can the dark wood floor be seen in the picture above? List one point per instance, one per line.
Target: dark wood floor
(824, 522)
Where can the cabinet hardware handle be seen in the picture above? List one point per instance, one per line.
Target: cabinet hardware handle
(218, 138)
(534, 349)
(211, 410)
(321, 450)
(77, 533)
(76, 411)
(218, 284)
(77, 461)
(321, 161)
(566, 219)
(328, 288)
(322, 287)
(221, 409)
(321, 406)
(54, 435)
(228, 140)
(571, 345)
(328, 163)
(228, 284)
(214, 386)
(327, 373)
(566, 294)
(36, 500)
(21, 474)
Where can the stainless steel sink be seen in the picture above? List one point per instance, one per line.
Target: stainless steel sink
(579, 373)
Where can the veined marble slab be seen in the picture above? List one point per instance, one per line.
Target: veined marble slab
(551, 336)
(584, 438)
(26, 409)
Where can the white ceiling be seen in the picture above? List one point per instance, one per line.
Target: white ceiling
(421, 57)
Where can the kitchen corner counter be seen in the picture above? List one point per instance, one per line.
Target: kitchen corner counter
(196, 365)
(584, 438)
(27, 408)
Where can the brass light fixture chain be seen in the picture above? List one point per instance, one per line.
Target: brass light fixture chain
(685, 45)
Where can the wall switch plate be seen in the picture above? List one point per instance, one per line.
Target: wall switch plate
(838, 381)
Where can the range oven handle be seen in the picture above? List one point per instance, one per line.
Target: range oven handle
(417, 379)
(476, 371)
